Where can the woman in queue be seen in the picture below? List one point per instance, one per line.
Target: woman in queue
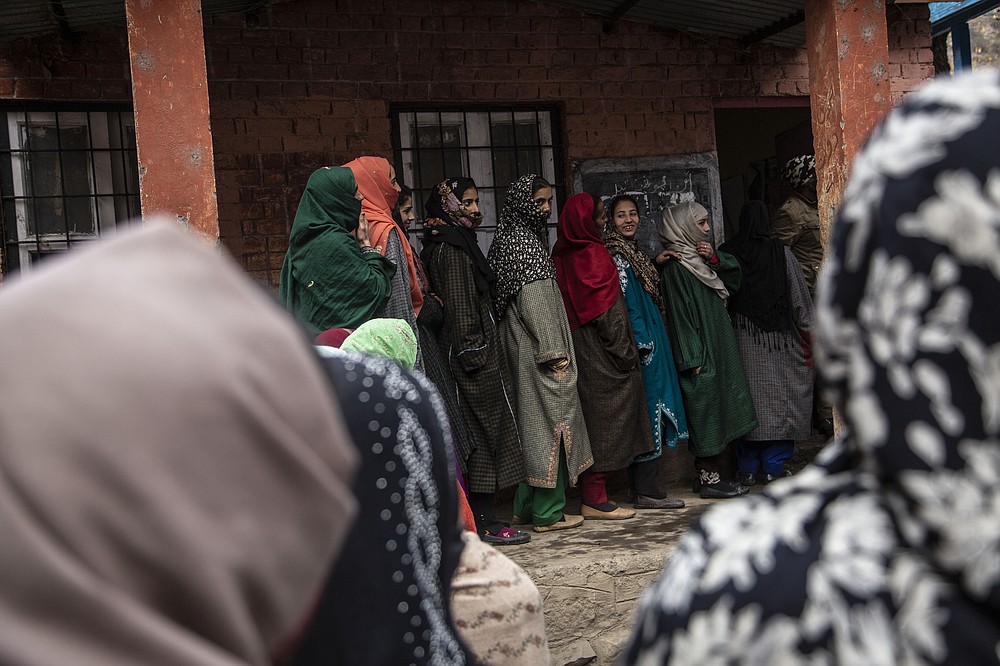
(610, 382)
(462, 279)
(773, 320)
(640, 284)
(331, 276)
(539, 350)
(696, 283)
(379, 188)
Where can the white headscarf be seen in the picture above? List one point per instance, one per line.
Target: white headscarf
(679, 232)
(174, 470)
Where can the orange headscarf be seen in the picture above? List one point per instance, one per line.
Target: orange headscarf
(372, 176)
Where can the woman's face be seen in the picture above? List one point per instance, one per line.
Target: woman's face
(470, 201)
(599, 219)
(543, 199)
(392, 179)
(703, 225)
(626, 218)
(406, 215)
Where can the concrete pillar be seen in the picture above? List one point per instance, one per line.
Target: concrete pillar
(170, 92)
(848, 50)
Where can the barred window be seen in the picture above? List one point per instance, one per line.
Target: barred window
(66, 177)
(494, 146)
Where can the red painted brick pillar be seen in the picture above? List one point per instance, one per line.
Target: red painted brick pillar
(848, 50)
(170, 91)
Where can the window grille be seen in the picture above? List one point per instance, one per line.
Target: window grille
(66, 177)
(492, 145)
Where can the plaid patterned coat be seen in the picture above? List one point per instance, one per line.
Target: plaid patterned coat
(471, 344)
(781, 383)
(611, 390)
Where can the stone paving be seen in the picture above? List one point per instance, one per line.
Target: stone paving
(591, 577)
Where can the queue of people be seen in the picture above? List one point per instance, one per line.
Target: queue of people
(560, 367)
(885, 549)
(220, 485)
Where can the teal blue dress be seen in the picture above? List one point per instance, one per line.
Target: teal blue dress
(659, 374)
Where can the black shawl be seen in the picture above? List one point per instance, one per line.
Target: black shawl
(447, 221)
(764, 298)
(388, 598)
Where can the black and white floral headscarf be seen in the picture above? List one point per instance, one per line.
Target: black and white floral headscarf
(887, 550)
(518, 254)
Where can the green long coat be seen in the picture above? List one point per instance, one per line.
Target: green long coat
(717, 399)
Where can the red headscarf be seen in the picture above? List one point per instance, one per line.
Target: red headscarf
(372, 176)
(333, 338)
(585, 271)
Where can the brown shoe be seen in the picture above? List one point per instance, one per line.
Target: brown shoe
(567, 522)
(618, 513)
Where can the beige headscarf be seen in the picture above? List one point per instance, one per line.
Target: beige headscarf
(679, 233)
(174, 471)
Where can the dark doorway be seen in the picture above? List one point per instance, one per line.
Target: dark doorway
(754, 141)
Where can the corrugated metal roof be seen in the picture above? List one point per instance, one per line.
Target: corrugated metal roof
(26, 18)
(740, 19)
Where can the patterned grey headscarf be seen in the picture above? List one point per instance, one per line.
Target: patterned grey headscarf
(518, 254)
(887, 550)
(799, 170)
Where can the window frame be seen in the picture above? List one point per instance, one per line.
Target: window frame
(478, 152)
(112, 177)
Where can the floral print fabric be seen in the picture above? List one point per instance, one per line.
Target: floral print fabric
(887, 549)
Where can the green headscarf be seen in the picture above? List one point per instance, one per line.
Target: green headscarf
(326, 281)
(390, 338)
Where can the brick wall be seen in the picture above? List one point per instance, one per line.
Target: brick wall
(307, 83)
(911, 57)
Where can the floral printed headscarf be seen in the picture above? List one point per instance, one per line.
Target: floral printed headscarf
(444, 205)
(887, 549)
(448, 221)
(518, 254)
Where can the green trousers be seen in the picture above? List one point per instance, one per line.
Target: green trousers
(543, 506)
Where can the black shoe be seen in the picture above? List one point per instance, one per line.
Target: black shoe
(825, 427)
(644, 502)
(768, 478)
(746, 478)
(722, 490)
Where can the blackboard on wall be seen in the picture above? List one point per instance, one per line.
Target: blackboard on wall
(656, 183)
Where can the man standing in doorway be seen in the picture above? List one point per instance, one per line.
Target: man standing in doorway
(797, 224)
